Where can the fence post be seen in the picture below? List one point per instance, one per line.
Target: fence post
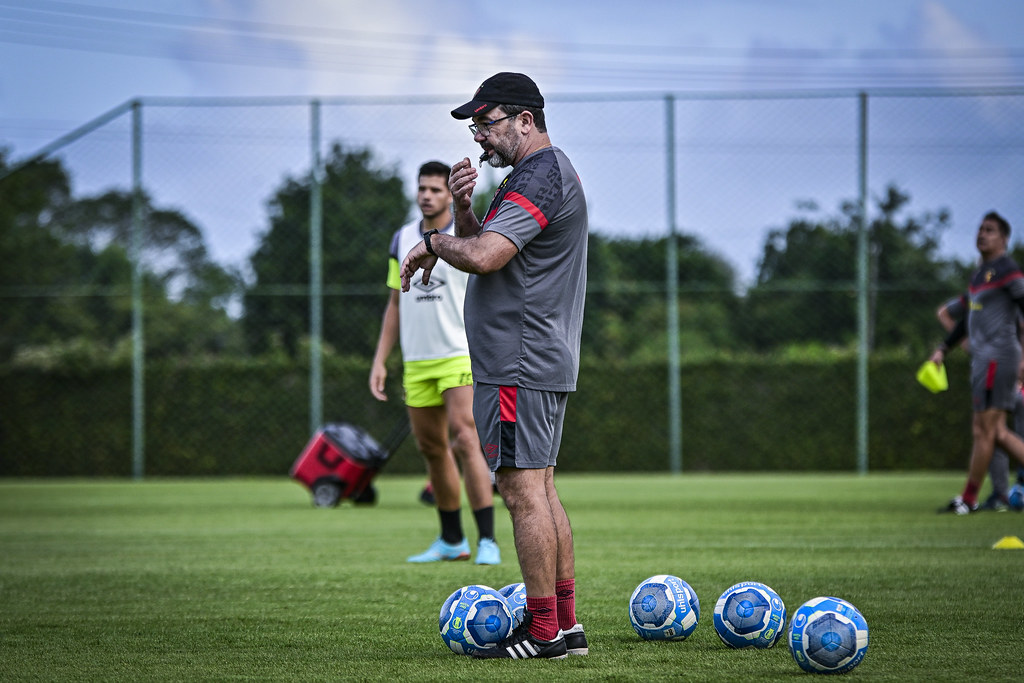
(138, 338)
(863, 347)
(316, 303)
(675, 412)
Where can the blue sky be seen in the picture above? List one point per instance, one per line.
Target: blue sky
(63, 63)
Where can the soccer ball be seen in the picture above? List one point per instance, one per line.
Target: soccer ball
(750, 614)
(515, 596)
(828, 635)
(664, 607)
(1016, 497)
(474, 618)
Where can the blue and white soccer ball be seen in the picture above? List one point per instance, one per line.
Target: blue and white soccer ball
(750, 614)
(1016, 497)
(828, 635)
(474, 618)
(515, 597)
(664, 607)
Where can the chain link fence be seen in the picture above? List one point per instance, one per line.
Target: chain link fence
(248, 239)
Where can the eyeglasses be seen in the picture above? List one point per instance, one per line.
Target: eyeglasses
(485, 127)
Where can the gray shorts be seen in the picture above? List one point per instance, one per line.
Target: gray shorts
(994, 383)
(520, 428)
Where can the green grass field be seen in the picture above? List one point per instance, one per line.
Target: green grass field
(244, 579)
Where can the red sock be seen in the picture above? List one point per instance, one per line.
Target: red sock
(970, 494)
(565, 592)
(545, 619)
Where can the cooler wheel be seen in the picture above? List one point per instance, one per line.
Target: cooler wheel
(326, 493)
(367, 496)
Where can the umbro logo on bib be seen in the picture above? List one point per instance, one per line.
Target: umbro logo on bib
(435, 283)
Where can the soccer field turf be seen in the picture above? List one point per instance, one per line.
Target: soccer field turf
(219, 579)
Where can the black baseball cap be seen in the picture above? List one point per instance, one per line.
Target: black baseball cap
(501, 88)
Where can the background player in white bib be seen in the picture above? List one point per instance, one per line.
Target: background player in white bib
(437, 378)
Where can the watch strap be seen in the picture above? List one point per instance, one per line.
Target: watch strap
(426, 240)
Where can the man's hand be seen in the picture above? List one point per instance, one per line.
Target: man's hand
(378, 374)
(461, 183)
(417, 258)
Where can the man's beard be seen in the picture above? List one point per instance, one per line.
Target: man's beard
(504, 150)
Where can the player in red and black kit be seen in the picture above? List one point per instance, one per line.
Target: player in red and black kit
(999, 469)
(988, 317)
(524, 320)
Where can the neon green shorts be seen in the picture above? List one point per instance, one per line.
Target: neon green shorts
(426, 380)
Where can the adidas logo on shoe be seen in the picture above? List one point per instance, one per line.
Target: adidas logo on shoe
(521, 645)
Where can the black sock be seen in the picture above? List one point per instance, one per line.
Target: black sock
(451, 525)
(485, 521)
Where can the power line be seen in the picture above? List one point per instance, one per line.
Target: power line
(659, 73)
(75, 26)
(136, 18)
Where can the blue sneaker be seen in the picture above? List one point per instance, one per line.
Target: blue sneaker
(487, 552)
(439, 551)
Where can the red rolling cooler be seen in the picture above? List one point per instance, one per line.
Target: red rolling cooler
(341, 460)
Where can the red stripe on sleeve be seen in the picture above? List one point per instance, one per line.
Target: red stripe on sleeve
(998, 284)
(531, 209)
(507, 403)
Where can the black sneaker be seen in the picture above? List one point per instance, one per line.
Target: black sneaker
(576, 640)
(995, 503)
(959, 507)
(521, 645)
(427, 495)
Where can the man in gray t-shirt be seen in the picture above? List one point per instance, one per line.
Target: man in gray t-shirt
(989, 321)
(524, 316)
(998, 470)
(524, 320)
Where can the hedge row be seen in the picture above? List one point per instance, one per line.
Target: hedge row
(246, 418)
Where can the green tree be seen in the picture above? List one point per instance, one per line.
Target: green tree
(626, 299)
(173, 247)
(67, 278)
(35, 261)
(187, 302)
(806, 289)
(362, 207)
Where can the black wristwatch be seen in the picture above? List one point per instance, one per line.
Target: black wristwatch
(426, 240)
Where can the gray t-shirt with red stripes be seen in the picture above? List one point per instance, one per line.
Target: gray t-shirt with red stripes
(524, 321)
(991, 306)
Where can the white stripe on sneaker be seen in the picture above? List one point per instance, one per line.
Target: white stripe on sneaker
(523, 650)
